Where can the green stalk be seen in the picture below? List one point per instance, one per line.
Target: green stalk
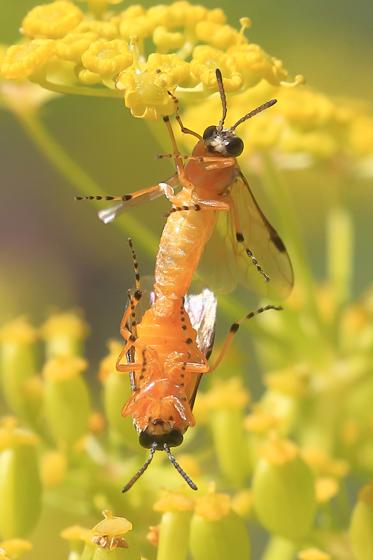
(85, 185)
(279, 549)
(174, 535)
(340, 237)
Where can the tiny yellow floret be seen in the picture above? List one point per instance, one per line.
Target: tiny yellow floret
(174, 501)
(213, 506)
(107, 58)
(19, 331)
(53, 20)
(69, 324)
(64, 367)
(313, 554)
(23, 60)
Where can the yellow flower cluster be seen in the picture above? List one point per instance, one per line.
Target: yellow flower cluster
(304, 127)
(138, 53)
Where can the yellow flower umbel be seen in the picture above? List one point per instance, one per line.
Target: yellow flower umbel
(139, 54)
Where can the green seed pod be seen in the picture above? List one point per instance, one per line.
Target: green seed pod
(225, 403)
(20, 486)
(64, 334)
(217, 533)
(67, 403)
(283, 491)
(174, 527)
(116, 390)
(361, 526)
(21, 386)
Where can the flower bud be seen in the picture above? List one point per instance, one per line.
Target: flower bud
(361, 526)
(173, 533)
(20, 487)
(64, 334)
(67, 406)
(217, 533)
(225, 403)
(22, 387)
(283, 491)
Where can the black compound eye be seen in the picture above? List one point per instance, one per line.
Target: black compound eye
(235, 146)
(209, 132)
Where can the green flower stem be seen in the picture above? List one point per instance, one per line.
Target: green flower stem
(279, 549)
(174, 535)
(79, 90)
(85, 185)
(340, 253)
(228, 435)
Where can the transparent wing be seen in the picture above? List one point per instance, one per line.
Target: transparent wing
(218, 265)
(201, 309)
(264, 242)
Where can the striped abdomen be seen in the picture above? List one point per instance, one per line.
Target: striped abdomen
(183, 240)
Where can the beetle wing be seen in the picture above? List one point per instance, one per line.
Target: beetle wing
(264, 242)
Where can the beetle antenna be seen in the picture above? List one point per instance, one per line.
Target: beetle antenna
(187, 479)
(254, 112)
(219, 79)
(141, 471)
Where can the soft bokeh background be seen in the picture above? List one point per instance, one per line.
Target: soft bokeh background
(54, 253)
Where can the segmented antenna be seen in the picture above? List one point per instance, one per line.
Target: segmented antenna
(254, 112)
(219, 79)
(187, 479)
(141, 471)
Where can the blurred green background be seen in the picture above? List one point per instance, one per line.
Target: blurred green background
(54, 252)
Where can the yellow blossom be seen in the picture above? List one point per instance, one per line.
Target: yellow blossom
(103, 29)
(204, 63)
(109, 532)
(213, 506)
(64, 367)
(107, 58)
(226, 394)
(53, 468)
(322, 464)
(69, 323)
(174, 501)
(166, 40)
(313, 554)
(326, 488)
(52, 20)
(279, 451)
(15, 547)
(76, 533)
(242, 502)
(18, 331)
(23, 60)
(146, 86)
(260, 421)
(74, 44)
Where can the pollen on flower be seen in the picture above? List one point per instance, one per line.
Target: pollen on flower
(74, 44)
(18, 331)
(107, 58)
(290, 381)
(213, 506)
(76, 533)
(261, 421)
(174, 501)
(23, 60)
(204, 63)
(226, 394)
(52, 20)
(15, 547)
(64, 367)
(279, 451)
(109, 532)
(53, 468)
(326, 488)
(313, 554)
(322, 464)
(69, 324)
